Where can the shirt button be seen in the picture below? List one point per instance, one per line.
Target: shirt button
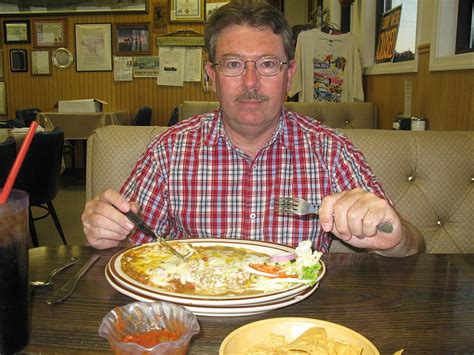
(253, 215)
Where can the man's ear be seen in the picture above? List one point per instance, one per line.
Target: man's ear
(211, 73)
(291, 72)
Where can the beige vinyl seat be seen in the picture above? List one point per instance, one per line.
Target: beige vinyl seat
(429, 175)
(332, 114)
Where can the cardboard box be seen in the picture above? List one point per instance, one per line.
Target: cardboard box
(85, 105)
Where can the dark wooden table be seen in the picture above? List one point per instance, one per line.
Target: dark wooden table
(423, 304)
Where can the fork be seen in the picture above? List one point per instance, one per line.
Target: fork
(140, 224)
(302, 207)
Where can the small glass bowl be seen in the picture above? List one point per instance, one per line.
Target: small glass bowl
(142, 317)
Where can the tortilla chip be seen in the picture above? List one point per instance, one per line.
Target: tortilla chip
(271, 344)
(312, 341)
(336, 347)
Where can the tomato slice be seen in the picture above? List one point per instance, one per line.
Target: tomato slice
(271, 270)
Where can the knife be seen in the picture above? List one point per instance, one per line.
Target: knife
(69, 287)
(140, 224)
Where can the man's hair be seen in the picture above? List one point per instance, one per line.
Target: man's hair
(254, 13)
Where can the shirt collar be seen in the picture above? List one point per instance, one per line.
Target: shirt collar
(288, 129)
(216, 129)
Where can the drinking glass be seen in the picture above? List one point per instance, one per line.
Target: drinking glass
(14, 291)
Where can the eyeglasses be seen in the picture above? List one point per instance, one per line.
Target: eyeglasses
(265, 66)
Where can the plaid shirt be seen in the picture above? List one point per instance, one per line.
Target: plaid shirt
(193, 182)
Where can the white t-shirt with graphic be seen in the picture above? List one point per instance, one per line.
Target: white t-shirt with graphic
(328, 68)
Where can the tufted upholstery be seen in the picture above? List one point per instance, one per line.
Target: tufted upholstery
(332, 114)
(429, 175)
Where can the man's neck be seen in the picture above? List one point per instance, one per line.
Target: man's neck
(250, 139)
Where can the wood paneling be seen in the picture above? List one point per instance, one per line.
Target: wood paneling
(445, 98)
(43, 92)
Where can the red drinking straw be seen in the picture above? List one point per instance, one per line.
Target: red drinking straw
(17, 164)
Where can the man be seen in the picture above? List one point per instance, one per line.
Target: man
(217, 175)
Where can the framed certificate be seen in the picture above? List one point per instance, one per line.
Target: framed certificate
(16, 31)
(187, 11)
(40, 62)
(49, 33)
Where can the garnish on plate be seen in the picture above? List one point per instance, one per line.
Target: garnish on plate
(302, 266)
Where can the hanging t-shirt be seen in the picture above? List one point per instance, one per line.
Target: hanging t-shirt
(328, 68)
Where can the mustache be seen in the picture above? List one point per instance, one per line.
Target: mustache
(251, 95)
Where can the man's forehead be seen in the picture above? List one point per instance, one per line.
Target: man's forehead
(262, 42)
(246, 57)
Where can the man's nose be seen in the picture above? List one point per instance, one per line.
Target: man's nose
(250, 76)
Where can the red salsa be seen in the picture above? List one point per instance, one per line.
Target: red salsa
(152, 337)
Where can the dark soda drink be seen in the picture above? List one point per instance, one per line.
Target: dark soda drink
(14, 290)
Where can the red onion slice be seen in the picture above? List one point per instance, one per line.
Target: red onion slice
(278, 258)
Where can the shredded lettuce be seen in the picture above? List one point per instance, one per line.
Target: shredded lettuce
(311, 273)
(306, 265)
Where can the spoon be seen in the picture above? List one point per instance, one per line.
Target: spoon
(49, 282)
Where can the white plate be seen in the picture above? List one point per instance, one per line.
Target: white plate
(216, 311)
(155, 293)
(291, 327)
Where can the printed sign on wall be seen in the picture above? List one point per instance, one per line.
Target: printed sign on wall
(388, 35)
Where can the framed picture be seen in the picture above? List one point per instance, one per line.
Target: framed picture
(18, 60)
(160, 16)
(132, 38)
(40, 62)
(187, 11)
(16, 31)
(49, 33)
(52, 7)
(93, 47)
(212, 7)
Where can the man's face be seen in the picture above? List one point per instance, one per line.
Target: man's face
(250, 99)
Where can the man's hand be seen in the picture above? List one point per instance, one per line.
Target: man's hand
(353, 216)
(105, 226)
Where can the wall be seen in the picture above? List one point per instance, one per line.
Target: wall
(296, 12)
(25, 91)
(445, 98)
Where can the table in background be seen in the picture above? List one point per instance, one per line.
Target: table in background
(81, 125)
(78, 127)
(424, 303)
(19, 134)
(5, 133)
